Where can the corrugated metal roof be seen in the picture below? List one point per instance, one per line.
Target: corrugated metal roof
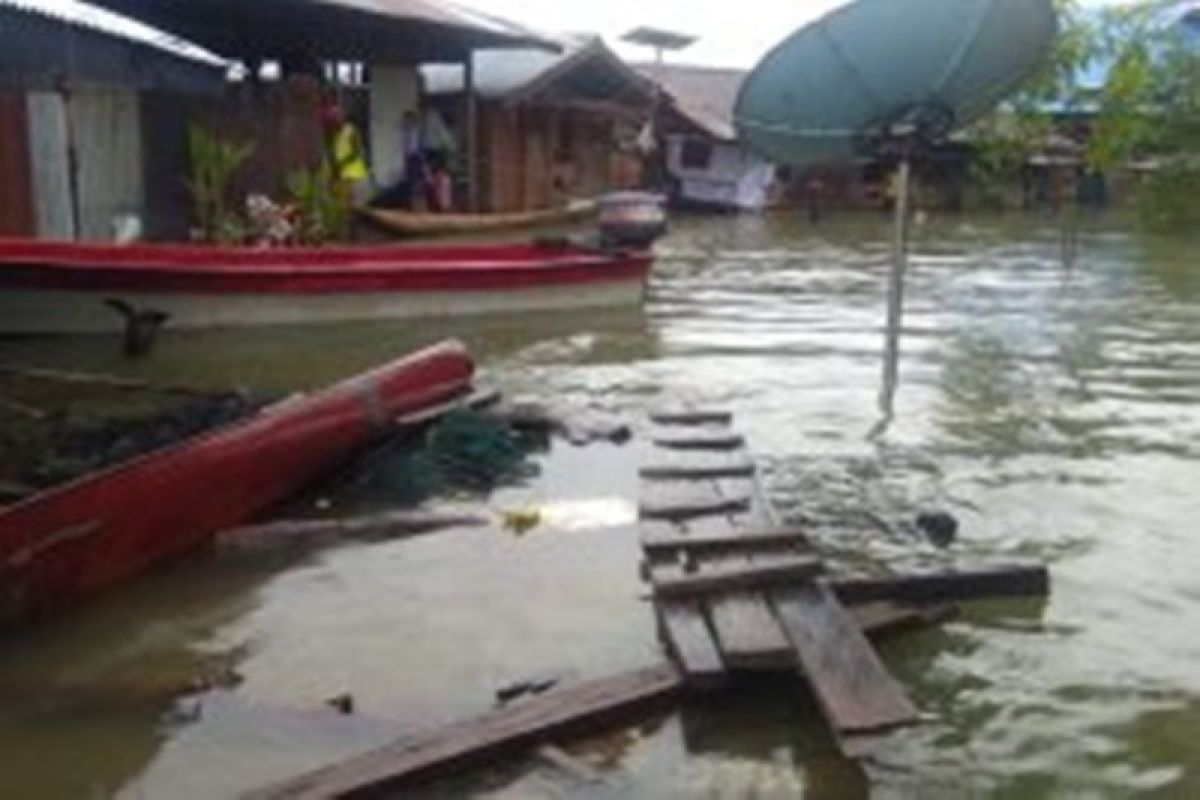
(705, 95)
(501, 72)
(399, 31)
(99, 20)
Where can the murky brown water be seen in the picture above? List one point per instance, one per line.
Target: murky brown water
(1056, 411)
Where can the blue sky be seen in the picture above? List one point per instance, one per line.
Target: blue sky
(732, 32)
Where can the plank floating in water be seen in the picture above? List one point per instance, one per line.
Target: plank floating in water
(696, 418)
(312, 532)
(854, 689)
(690, 642)
(704, 467)
(701, 441)
(759, 574)
(1000, 581)
(512, 729)
(661, 502)
(733, 540)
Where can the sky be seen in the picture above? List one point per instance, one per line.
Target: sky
(733, 33)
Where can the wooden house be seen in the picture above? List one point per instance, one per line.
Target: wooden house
(553, 127)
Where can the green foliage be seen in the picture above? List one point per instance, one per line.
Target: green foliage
(1147, 111)
(214, 163)
(323, 209)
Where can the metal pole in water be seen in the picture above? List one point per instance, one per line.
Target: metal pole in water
(895, 308)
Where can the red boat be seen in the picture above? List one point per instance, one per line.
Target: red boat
(65, 287)
(60, 546)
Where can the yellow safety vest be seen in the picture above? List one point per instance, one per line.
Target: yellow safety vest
(350, 162)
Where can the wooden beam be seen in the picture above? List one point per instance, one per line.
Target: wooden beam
(710, 469)
(512, 729)
(999, 581)
(678, 505)
(677, 542)
(701, 441)
(692, 418)
(761, 574)
(853, 688)
(690, 643)
(315, 532)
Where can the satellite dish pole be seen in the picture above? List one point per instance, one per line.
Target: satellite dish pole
(661, 41)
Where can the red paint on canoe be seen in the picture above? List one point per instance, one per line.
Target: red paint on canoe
(62, 545)
(44, 264)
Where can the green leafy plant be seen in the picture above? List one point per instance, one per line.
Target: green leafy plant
(322, 208)
(214, 163)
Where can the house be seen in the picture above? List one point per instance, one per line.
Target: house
(100, 103)
(71, 81)
(709, 165)
(553, 126)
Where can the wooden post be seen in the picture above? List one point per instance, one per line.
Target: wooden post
(471, 124)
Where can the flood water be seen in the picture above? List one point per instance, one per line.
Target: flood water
(1054, 409)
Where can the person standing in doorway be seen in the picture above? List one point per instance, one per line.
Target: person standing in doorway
(348, 155)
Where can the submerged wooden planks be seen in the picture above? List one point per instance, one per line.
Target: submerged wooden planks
(751, 587)
(521, 726)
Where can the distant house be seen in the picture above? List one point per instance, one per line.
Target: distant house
(552, 126)
(71, 143)
(710, 166)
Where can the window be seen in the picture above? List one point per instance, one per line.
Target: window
(696, 154)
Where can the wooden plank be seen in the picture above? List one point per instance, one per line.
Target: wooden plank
(700, 441)
(692, 418)
(707, 468)
(685, 627)
(855, 691)
(761, 574)
(683, 502)
(690, 643)
(733, 540)
(509, 730)
(998, 581)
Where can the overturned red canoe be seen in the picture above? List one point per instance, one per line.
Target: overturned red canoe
(60, 546)
(62, 287)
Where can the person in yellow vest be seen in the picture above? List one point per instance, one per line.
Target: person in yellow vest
(349, 157)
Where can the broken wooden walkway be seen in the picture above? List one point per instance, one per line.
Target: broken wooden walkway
(734, 590)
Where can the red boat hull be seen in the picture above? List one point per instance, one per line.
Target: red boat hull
(61, 546)
(48, 286)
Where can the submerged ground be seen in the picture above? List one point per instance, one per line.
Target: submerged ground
(1055, 409)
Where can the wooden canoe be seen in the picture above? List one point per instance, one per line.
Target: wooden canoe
(413, 224)
(58, 547)
(51, 287)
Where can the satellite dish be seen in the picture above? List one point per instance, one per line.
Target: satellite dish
(884, 79)
(876, 72)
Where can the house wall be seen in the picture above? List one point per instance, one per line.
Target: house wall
(394, 92)
(90, 139)
(730, 178)
(16, 183)
(533, 158)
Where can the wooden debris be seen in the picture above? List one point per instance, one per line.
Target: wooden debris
(701, 441)
(704, 468)
(999, 581)
(854, 689)
(692, 502)
(756, 575)
(675, 542)
(690, 642)
(513, 729)
(309, 533)
(692, 418)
